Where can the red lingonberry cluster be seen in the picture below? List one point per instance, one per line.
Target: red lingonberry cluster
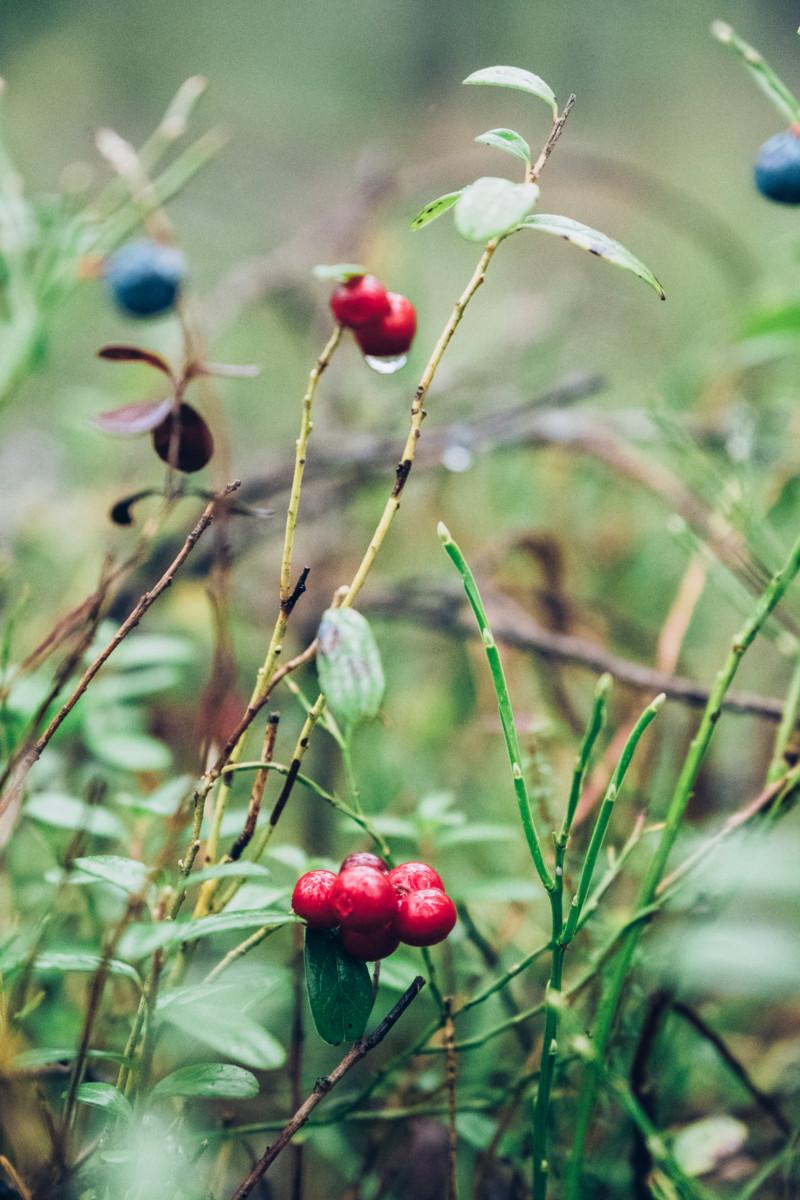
(384, 322)
(376, 908)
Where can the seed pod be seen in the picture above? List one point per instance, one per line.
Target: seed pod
(349, 666)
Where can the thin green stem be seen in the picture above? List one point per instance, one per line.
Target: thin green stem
(617, 975)
(786, 728)
(504, 708)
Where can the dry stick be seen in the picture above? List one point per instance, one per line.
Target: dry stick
(438, 608)
(451, 1068)
(762, 1099)
(295, 1060)
(288, 597)
(257, 793)
(131, 621)
(324, 1085)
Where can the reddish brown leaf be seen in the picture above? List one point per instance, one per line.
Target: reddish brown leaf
(118, 353)
(134, 418)
(184, 440)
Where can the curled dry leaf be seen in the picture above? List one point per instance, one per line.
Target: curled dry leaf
(132, 419)
(121, 353)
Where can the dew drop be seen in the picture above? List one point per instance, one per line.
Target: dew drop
(386, 366)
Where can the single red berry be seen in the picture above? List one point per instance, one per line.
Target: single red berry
(311, 899)
(414, 877)
(378, 943)
(363, 899)
(391, 334)
(358, 300)
(363, 858)
(425, 918)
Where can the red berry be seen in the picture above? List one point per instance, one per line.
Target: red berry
(358, 300)
(363, 899)
(414, 877)
(311, 899)
(425, 918)
(391, 334)
(379, 943)
(363, 858)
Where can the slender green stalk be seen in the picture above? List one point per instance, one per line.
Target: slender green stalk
(765, 78)
(786, 728)
(503, 706)
(616, 977)
(603, 818)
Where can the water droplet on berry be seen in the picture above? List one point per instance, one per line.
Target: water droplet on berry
(386, 366)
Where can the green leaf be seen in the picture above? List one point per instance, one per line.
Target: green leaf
(230, 870)
(126, 873)
(214, 1017)
(132, 752)
(339, 988)
(507, 140)
(67, 812)
(165, 800)
(140, 940)
(596, 243)
(491, 207)
(152, 650)
(62, 962)
(105, 1096)
(349, 666)
(475, 832)
(435, 209)
(30, 1060)
(222, 1080)
(338, 272)
(517, 79)
(765, 78)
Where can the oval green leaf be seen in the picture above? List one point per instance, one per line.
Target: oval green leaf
(339, 988)
(142, 939)
(125, 873)
(225, 1028)
(107, 1097)
(349, 666)
(435, 209)
(595, 243)
(491, 207)
(517, 79)
(67, 812)
(242, 869)
(509, 141)
(61, 962)
(222, 1080)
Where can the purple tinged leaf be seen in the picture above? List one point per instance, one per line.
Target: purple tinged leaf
(120, 353)
(133, 419)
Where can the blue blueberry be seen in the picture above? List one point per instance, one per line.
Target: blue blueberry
(144, 277)
(777, 168)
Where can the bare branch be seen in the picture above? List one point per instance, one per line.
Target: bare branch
(323, 1086)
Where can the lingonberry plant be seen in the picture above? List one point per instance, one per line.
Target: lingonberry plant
(171, 914)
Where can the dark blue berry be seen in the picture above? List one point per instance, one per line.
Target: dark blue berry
(777, 168)
(144, 277)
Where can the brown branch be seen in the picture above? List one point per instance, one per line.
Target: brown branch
(549, 146)
(147, 599)
(323, 1086)
(441, 608)
(257, 793)
(762, 1099)
(451, 1072)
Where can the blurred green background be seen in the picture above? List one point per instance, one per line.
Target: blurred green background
(318, 97)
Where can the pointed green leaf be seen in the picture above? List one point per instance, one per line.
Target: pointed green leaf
(595, 242)
(435, 209)
(765, 78)
(349, 666)
(242, 869)
(105, 1096)
(142, 939)
(217, 1020)
(507, 140)
(67, 812)
(491, 207)
(125, 873)
(222, 1080)
(339, 988)
(517, 79)
(62, 962)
